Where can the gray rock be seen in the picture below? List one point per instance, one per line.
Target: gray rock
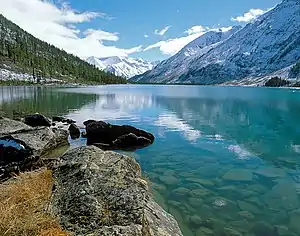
(24, 147)
(8, 126)
(102, 193)
(74, 131)
(37, 120)
(43, 140)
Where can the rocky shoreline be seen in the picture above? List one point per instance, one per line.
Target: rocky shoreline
(95, 192)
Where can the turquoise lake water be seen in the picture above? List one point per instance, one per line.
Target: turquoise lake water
(225, 160)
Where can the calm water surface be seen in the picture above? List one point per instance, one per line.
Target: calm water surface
(225, 160)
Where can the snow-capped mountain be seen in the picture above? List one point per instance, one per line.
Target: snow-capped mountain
(122, 66)
(270, 43)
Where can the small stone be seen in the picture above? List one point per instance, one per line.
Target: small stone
(228, 188)
(83, 134)
(195, 202)
(219, 203)
(263, 228)
(195, 219)
(201, 192)
(246, 214)
(204, 232)
(238, 175)
(282, 230)
(255, 201)
(231, 232)
(204, 182)
(181, 191)
(169, 180)
(245, 206)
(174, 203)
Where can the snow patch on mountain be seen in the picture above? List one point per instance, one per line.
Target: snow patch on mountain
(7, 74)
(266, 45)
(122, 66)
(173, 67)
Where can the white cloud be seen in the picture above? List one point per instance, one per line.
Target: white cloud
(172, 122)
(252, 14)
(172, 46)
(146, 36)
(162, 31)
(196, 29)
(58, 26)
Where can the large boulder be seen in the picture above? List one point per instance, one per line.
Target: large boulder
(103, 193)
(123, 137)
(37, 120)
(8, 126)
(22, 147)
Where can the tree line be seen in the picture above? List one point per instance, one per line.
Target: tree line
(42, 59)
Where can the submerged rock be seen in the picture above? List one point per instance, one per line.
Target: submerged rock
(102, 193)
(37, 120)
(204, 231)
(263, 228)
(245, 206)
(123, 137)
(238, 175)
(74, 131)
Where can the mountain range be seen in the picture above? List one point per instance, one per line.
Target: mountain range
(268, 44)
(126, 67)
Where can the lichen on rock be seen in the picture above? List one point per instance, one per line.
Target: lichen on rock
(103, 193)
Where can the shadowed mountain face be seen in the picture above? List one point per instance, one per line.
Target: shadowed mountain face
(266, 45)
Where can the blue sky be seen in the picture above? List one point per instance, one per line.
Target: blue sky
(133, 27)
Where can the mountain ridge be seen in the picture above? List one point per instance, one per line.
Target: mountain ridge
(268, 44)
(121, 66)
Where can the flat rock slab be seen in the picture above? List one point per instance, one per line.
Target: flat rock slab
(21, 147)
(102, 193)
(8, 126)
(238, 175)
(270, 172)
(42, 140)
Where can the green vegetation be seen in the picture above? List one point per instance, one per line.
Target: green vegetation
(295, 71)
(276, 82)
(28, 54)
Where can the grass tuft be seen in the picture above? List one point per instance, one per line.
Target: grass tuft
(23, 206)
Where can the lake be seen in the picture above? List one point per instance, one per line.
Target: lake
(225, 160)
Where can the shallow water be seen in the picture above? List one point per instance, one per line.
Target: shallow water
(225, 160)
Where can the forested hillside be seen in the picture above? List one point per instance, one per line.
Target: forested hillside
(40, 59)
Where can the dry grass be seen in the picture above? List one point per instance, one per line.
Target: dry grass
(23, 204)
